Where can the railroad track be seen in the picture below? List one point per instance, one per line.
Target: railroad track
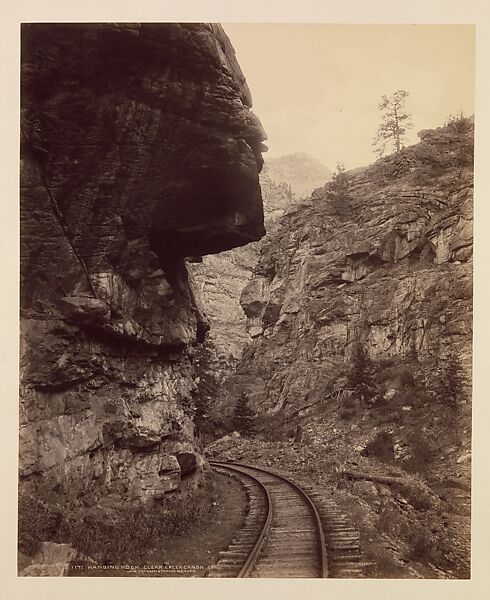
(289, 531)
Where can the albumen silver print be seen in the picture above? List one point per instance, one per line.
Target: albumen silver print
(246, 300)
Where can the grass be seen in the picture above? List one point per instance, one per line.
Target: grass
(112, 535)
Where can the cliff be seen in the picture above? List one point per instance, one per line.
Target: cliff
(139, 149)
(222, 278)
(380, 260)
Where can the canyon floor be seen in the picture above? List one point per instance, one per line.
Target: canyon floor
(413, 518)
(415, 526)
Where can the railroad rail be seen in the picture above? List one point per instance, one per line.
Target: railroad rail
(285, 531)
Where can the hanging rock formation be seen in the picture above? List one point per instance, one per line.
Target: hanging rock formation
(139, 149)
(222, 278)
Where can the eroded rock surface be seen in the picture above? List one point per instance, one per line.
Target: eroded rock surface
(221, 278)
(384, 260)
(139, 149)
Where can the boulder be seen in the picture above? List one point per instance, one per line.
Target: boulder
(187, 462)
(51, 560)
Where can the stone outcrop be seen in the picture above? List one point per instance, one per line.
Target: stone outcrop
(51, 560)
(222, 278)
(383, 260)
(139, 149)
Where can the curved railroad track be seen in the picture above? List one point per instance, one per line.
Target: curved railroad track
(283, 534)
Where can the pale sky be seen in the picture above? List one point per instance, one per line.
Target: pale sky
(316, 87)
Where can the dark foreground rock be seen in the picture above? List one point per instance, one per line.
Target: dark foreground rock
(139, 149)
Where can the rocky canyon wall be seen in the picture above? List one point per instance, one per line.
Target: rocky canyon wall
(139, 149)
(383, 260)
(221, 278)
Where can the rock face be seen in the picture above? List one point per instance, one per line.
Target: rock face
(383, 259)
(222, 278)
(139, 149)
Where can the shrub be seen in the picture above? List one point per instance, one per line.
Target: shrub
(421, 543)
(418, 497)
(400, 373)
(381, 447)
(208, 385)
(349, 402)
(387, 521)
(272, 428)
(360, 377)
(37, 522)
(448, 382)
(459, 124)
(423, 547)
(346, 413)
(109, 536)
(422, 452)
(349, 407)
(338, 187)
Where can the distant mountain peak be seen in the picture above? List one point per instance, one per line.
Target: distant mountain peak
(294, 155)
(300, 170)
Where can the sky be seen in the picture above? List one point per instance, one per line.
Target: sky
(316, 87)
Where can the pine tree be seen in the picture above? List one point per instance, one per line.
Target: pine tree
(244, 419)
(207, 385)
(338, 187)
(201, 415)
(360, 377)
(394, 124)
(450, 381)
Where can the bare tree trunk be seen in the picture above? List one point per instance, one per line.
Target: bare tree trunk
(371, 477)
(397, 131)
